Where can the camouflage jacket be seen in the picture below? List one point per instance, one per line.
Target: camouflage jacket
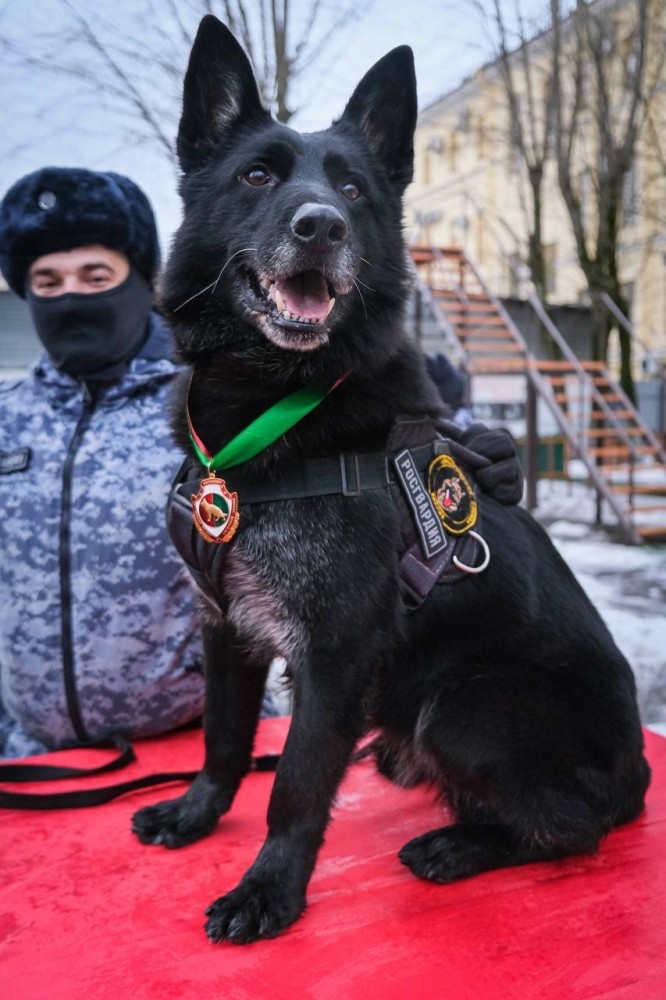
(98, 629)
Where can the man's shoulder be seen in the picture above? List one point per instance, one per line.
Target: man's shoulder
(17, 399)
(160, 344)
(12, 390)
(8, 385)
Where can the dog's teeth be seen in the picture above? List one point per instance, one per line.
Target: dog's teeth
(279, 301)
(331, 303)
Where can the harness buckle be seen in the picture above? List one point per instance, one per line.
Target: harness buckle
(355, 489)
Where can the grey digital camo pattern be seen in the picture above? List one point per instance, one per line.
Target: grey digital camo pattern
(137, 655)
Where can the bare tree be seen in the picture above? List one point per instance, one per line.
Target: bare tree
(530, 97)
(131, 63)
(582, 91)
(608, 61)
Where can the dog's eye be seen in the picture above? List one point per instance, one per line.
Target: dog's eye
(351, 190)
(257, 176)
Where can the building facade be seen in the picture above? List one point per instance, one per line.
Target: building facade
(471, 186)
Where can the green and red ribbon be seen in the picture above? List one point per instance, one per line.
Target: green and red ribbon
(263, 431)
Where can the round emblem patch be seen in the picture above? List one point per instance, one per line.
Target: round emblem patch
(452, 495)
(215, 511)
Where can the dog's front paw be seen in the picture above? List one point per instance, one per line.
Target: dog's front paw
(173, 823)
(255, 909)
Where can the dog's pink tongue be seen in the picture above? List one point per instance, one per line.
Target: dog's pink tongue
(305, 295)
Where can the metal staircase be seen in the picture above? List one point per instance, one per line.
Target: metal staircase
(489, 340)
(622, 457)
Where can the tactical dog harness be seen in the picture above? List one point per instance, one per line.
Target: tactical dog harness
(435, 502)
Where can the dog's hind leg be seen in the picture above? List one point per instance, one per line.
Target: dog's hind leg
(462, 850)
(234, 691)
(521, 826)
(529, 774)
(456, 852)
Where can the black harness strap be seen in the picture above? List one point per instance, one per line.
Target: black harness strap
(349, 474)
(420, 571)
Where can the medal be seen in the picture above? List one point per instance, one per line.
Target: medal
(215, 511)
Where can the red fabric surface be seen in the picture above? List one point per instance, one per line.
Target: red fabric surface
(86, 911)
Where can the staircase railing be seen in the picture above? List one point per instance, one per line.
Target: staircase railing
(586, 380)
(540, 310)
(578, 439)
(624, 322)
(580, 443)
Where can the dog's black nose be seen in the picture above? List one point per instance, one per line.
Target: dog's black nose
(319, 225)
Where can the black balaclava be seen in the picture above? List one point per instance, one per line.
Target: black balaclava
(94, 335)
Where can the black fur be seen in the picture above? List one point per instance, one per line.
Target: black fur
(505, 690)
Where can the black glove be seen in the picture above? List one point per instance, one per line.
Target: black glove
(491, 456)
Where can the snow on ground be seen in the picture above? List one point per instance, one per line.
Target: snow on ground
(626, 583)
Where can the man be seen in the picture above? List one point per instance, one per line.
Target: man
(452, 387)
(98, 628)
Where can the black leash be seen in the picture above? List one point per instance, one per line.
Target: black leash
(82, 798)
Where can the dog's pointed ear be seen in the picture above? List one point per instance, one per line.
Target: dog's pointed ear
(219, 89)
(384, 108)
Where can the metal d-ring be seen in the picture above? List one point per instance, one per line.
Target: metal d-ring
(486, 558)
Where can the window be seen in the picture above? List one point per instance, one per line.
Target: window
(514, 265)
(630, 196)
(549, 263)
(463, 120)
(453, 153)
(586, 199)
(480, 138)
(627, 290)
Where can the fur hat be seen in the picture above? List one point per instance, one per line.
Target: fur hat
(61, 208)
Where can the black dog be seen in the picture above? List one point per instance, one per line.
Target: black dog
(504, 689)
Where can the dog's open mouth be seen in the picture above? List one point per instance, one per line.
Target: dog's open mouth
(305, 298)
(296, 307)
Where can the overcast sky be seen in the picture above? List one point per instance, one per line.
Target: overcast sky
(45, 120)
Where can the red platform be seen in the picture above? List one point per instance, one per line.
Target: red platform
(88, 913)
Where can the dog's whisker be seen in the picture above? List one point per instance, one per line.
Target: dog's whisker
(196, 295)
(356, 284)
(366, 262)
(244, 250)
(369, 287)
(213, 284)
